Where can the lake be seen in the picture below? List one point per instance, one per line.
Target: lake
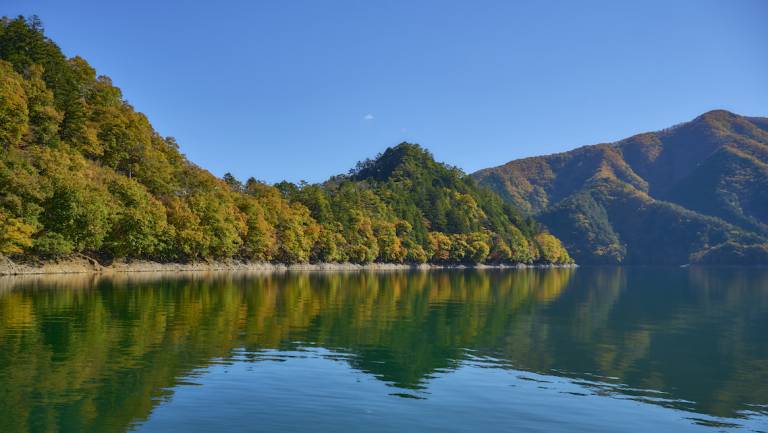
(577, 350)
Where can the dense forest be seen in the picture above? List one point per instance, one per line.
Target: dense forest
(82, 172)
(693, 193)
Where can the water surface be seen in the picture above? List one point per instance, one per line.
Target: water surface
(592, 350)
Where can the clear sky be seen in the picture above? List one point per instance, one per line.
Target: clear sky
(302, 89)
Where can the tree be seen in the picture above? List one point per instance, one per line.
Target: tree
(139, 226)
(233, 183)
(551, 250)
(15, 234)
(260, 240)
(440, 247)
(188, 238)
(44, 118)
(79, 209)
(14, 112)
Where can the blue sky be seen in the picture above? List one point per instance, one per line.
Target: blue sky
(302, 89)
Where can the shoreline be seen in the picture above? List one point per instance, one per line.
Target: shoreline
(85, 265)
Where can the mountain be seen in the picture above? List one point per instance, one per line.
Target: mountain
(693, 193)
(438, 212)
(82, 172)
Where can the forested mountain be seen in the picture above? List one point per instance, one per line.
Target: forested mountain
(696, 192)
(419, 210)
(82, 172)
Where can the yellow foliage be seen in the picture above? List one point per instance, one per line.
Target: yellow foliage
(15, 234)
(14, 113)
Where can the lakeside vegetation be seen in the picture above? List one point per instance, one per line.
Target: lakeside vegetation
(82, 172)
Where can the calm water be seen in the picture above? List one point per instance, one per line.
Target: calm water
(593, 350)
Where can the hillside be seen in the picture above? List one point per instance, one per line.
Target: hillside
(83, 173)
(430, 211)
(696, 192)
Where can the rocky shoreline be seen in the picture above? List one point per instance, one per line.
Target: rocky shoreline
(86, 265)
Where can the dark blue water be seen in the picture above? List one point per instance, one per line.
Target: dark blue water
(592, 350)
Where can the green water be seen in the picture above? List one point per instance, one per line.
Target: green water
(592, 350)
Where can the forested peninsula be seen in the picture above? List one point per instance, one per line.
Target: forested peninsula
(82, 173)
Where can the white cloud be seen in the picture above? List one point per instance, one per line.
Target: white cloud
(368, 116)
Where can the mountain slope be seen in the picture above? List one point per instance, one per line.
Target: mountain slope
(82, 172)
(667, 197)
(438, 212)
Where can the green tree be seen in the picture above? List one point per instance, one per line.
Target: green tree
(139, 225)
(44, 118)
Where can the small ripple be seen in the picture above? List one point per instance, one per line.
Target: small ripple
(532, 379)
(578, 394)
(406, 395)
(713, 423)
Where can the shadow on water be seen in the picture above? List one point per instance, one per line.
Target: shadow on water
(98, 353)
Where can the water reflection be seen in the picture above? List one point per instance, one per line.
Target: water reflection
(98, 353)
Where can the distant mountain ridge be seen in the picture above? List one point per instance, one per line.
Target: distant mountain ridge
(696, 192)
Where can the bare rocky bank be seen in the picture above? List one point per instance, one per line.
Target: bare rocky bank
(86, 265)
